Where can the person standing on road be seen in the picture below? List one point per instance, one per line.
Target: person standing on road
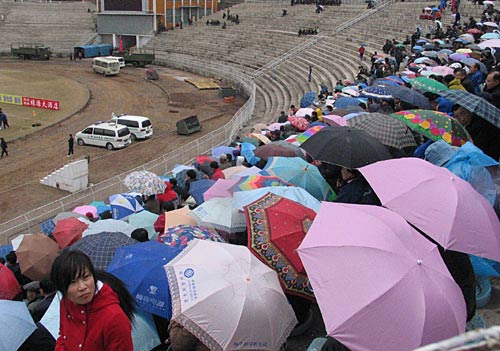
(4, 123)
(71, 142)
(3, 145)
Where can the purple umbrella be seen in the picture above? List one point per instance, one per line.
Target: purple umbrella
(380, 285)
(458, 57)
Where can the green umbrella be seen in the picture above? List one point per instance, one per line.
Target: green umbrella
(428, 85)
(434, 125)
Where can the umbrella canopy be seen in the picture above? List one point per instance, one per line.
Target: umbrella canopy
(144, 182)
(101, 248)
(487, 36)
(198, 188)
(442, 205)
(174, 218)
(307, 99)
(181, 176)
(68, 231)
(17, 241)
(143, 219)
(244, 198)
(222, 150)
(180, 235)
(260, 137)
(47, 227)
(17, 324)
(458, 56)
(346, 147)
(474, 104)
(300, 173)
(428, 85)
(276, 227)
(35, 255)
(335, 120)
(490, 24)
(123, 205)
(302, 112)
(344, 102)
(278, 148)
(469, 61)
(299, 123)
(408, 95)
(307, 134)
(228, 172)
(206, 276)
(387, 130)
(140, 267)
(64, 215)
(221, 188)
(442, 70)
(110, 225)
(9, 287)
(434, 125)
(5, 249)
(218, 213)
(83, 210)
(377, 92)
(374, 271)
(257, 181)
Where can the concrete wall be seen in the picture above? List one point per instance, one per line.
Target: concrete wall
(72, 177)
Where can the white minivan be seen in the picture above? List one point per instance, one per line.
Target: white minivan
(140, 127)
(121, 60)
(109, 135)
(106, 66)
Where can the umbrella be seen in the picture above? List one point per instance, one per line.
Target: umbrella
(247, 151)
(432, 54)
(458, 56)
(17, 241)
(275, 126)
(110, 225)
(467, 37)
(218, 213)
(344, 102)
(469, 61)
(144, 182)
(276, 227)
(278, 148)
(475, 104)
(417, 48)
(490, 24)
(17, 324)
(244, 198)
(5, 249)
(299, 173)
(389, 274)
(302, 112)
(9, 287)
(83, 210)
(346, 147)
(307, 99)
(376, 92)
(207, 276)
(101, 248)
(442, 205)
(487, 36)
(140, 267)
(307, 134)
(197, 188)
(410, 96)
(387, 130)
(299, 122)
(47, 227)
(174, 218)
(442, 70)
(144, 334)
(492, 43)
(425, 61)
(474, 31)
(474, 47)
(434, 125)
(234, 172)
(335, 120)
(64, 215)
(180, 235)
(222, 150)
(68, 231)
(260, 137)
(143, 219)
(428, 85)
(36, 254)
(445, 51)
(250, 140)
(220, 189)
(123, 205)
(257, 181)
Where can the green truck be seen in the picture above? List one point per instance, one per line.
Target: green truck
(30, 51)
(137, 59)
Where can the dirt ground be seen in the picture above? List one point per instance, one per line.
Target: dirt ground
(93, 98)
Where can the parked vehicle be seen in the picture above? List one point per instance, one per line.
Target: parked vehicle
(106, 66)
(120, 60)
(140, 127)
(138, 59)
(31, 51)
(108, 134)
(93, 50)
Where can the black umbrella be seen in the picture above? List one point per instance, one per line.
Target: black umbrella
(346, 147)
(408, 95)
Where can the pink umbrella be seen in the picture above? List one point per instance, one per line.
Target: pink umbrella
(275, 126)
(442, 205)
(443, 70)
(220, 188)
(380, 285)
(86, 209)
(335, 120)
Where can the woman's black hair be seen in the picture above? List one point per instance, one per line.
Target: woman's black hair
(71, 264)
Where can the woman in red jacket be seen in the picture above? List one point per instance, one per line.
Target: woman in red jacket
(96, 308)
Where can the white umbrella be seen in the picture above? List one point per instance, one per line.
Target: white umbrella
(108, 225)
(490, 24)
(219, 213)
(17, 241)
(302, 112)
(227, 298)
(17, 324)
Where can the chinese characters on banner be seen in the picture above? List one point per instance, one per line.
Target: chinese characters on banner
(29, 101)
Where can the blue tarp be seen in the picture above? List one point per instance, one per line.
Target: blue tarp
(94, 50)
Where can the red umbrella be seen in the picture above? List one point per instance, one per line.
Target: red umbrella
(474, 31)
(35, 255)
(276, 227)
(277, 149)
(68, 231)
(299, 122)
(9, 287)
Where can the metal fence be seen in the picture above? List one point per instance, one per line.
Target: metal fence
(30, 221)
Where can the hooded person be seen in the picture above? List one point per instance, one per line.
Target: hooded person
(169, 195)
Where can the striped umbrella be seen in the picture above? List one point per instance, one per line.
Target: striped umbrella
(258, 181)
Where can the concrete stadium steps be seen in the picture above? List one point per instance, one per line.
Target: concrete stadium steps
(57, 25)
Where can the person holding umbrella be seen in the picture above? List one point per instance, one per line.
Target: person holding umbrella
(96, 308)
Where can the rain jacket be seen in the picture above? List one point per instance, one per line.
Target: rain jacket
(456, 84)
(100, 325)
(168, 194)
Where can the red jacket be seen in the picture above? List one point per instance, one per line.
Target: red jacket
(100, 325)
(218, 174)
(168, 195)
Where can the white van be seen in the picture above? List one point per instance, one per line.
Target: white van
(140, 127)
(109, 135)
(121, 60)
(106, 66)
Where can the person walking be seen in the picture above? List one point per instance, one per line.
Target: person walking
(361, 51)
(309, 77)
(71, 142)
(3, 145)
(4, 123)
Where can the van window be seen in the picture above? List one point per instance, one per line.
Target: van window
(109, 132)
(146, 123)
(87, 131)
(98, 131)
(123, 132)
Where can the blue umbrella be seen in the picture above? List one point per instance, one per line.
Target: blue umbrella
(307, 99)
(421, 42)
(144, 219)
(144, 334)
(377, 92)
(197, 188)
(17, 324)
(123, 205)
(101, 247)
(469, 61)
(140, 267)
(222, 150)
(410, 96)
(5, 249)
(483, 267)
(247, 151)
(487, 36)
(417, 48)
(47, 227)
(445, 51)
(344, 102)
(182, 176)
